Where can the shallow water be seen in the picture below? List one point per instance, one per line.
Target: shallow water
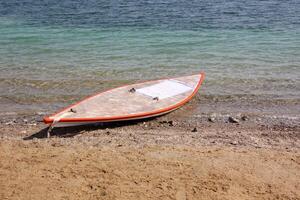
(55, 52)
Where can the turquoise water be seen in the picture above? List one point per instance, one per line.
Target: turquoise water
(53, 53)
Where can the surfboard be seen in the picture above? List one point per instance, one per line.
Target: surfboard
(130, 102)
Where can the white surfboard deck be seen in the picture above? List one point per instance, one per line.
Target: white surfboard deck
(165, 89)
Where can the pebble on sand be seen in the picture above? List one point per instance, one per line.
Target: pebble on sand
(244, 118)
(233, 120)
(212, 118)
(195, 130)
(170, 123)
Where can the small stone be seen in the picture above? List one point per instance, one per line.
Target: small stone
(233, 120)
(25, 120)
(195, 130)
(56, 144)
(32, 124)
(171, 123)
(212, 117)
(144, 124)
(258, 119)
(234, 142)
(244, 118)
(41, 113)
(23, 132)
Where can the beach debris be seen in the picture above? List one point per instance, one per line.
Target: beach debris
(212, 117)
(233, 119)
(9, 123)
(73, 110)
(170, 123)
(41, 113)
(258, 119)
(132, 90)
(32, 124)
(244, 118)
(156, 98)
(56, 144)
(145, 124)
(195, 130)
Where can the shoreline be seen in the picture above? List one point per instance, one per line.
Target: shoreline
(181, 123)
(202, 107)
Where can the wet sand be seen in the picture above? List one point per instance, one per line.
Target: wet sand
(171, 157)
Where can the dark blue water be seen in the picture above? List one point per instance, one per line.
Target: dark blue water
(55, 52)
(172, 15)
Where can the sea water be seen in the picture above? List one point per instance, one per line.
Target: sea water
(55, 52)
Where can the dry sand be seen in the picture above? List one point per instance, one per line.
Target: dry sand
(157, 159)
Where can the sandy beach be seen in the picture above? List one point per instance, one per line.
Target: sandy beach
(171, 157)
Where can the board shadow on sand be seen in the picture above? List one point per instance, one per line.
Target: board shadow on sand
(75, 130)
